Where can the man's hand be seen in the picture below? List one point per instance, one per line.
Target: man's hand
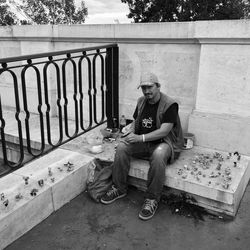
(133, 138)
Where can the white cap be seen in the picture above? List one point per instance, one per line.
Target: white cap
(148, 79)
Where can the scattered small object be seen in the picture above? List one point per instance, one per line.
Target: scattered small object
(52, 179)
(204, 175)
(70, 166)
(238, 158)
(228, 178)
(177, 210)
(6, 203)
(213, 175)
(209, 182)
(50, 172)
(218, 166)
(41, 183)
(220, 217)
(227, 171)
(18, 197)
(2, 196)
(60, 169)
(70, 169)
(225, 185)
(184, 176)
(218, 156)
(26, 180)
(235, 164)
(180, 171)
(33, 192)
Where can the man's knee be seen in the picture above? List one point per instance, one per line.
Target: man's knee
(122, 147)
(162, 153)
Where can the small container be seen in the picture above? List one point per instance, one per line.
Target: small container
(188, 140)
(96, 149)
(123, 122)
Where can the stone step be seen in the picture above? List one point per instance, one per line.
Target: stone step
(19, 216)
(217, 190)
(187, 174)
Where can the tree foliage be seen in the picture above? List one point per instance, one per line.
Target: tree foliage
(186, 10)
(54, 11)
(6, 17)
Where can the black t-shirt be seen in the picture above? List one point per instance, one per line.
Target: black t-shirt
(147, 123)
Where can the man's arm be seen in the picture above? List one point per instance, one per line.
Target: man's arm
(152, 136)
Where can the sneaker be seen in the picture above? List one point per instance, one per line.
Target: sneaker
(148, 209)
(112, 195)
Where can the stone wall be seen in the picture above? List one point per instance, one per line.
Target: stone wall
(204, 65)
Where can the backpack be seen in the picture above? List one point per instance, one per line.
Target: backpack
(99, 178)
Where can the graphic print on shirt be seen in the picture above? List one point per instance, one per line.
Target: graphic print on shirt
(147, 122)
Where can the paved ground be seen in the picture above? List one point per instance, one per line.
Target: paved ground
(83, 224)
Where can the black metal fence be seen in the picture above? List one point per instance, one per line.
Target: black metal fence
(76, 88)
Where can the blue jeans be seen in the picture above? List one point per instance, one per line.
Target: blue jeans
(158, 156)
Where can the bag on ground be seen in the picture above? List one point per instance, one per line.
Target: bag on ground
(99, 178)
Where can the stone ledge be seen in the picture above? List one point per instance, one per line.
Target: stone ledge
(208, 191)
(212, 195)
(49, 198)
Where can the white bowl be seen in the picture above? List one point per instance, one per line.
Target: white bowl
(96, 149)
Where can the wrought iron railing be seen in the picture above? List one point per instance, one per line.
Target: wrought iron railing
(77, 88)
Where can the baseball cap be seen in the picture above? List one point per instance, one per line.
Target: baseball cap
(148, 79)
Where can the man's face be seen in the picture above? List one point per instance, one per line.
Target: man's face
(150, 92)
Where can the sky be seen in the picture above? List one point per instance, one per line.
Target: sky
(106, 11)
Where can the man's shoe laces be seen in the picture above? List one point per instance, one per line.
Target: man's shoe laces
(113, 191)
(150, 205)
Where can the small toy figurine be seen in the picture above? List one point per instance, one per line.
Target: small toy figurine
(41, 183)
(2, 196)
(70, 166)
(218, 166)
(225, 185)
(33, 192)
(50, 172)
(18, 197)
(6, 202)
(26, 180)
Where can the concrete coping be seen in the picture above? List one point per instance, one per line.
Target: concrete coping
(64, 172)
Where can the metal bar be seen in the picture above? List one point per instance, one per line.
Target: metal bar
(62, 52)
(55, 60)
(81, 103)
(59, 108)
(109, 109)
(115, 85)
(103, 93)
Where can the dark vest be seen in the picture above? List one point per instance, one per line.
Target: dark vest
(175, 137)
